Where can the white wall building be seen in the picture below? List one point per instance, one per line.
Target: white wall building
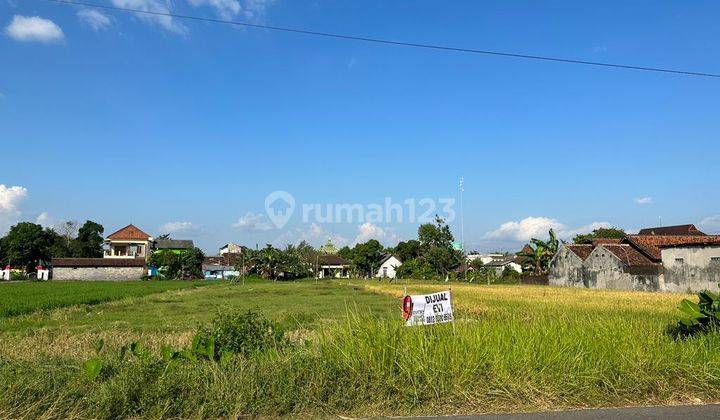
(387, 267)
(486, 258)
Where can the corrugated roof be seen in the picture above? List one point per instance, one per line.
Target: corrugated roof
(129, 232)
(98, 262)
(213, 267)
(229, 258)
(174, 244)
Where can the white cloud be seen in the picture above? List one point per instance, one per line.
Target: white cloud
(179, 227)
(157, 6)
(644, 200)
(225, 8)
(255, 10)
(252, 222)
(35, 28)
(368, 231)
(538, 227)
(523, 230)
(10, 200)
(570, 233)
(45, 220)
(315, 235)
(251, 10)
(94, 19)
(710, 224)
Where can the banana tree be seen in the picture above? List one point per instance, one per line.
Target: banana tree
(542, 253)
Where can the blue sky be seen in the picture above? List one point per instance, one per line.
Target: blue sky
(185, 127)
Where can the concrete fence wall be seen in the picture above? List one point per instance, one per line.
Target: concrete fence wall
(98, 273)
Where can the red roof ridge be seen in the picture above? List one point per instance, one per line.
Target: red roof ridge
(129, 232)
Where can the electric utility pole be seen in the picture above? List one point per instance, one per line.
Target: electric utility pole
(462, 225)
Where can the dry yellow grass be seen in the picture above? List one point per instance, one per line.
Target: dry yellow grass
(480, 299)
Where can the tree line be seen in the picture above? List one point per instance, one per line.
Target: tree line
(431, 255)
(27, 244)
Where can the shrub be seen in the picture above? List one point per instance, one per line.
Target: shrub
(16, 275)
(703, 317)
(243, 332)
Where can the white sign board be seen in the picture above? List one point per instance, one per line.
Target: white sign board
(429, 309)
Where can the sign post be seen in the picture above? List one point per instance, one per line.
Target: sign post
(435, 308)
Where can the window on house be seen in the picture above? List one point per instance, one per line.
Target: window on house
(715, 260)
(679, 260)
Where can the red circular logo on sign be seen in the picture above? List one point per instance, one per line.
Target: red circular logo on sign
(407, 307)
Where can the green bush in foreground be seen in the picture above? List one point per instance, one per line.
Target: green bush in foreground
(243, 332)
(703, 316)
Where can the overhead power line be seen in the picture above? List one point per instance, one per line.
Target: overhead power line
(389, 42)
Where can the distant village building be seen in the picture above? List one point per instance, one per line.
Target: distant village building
(128, 242)
(388, 266)
(673, 258)
(499, 265)
(496, 261)
(486, 258)
(219, 271)
(227, 264)
(332, 266)
(231, 248)
(125, 258)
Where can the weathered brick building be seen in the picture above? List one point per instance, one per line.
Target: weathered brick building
(673, 258)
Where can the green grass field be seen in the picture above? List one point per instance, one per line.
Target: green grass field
(512, 348)
(27, 297)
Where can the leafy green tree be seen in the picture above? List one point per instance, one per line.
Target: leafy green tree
(415, 269)
(509, 273)
(437, 235)
(295, 261)
(346, 253)
(476, 264)
(600, 233)
(308, 256)
(27, 243)
(367, 257)
(265, 262)
(191, 263)
(437, 250)
(407, 250)
(168, 263)
(538, 259)
(89, 241)
(60, 247)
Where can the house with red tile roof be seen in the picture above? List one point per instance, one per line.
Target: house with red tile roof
(128, 242)
(672, 258)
